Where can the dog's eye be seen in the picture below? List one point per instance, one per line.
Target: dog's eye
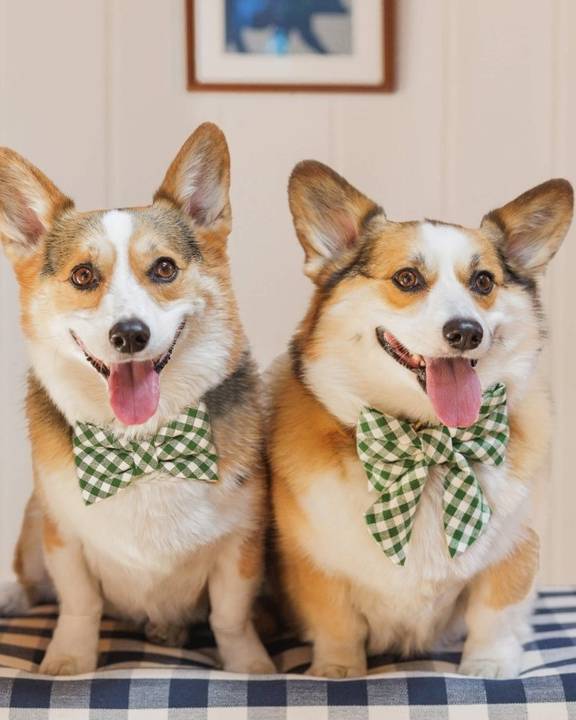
(163, 270)
(408, 279)
(84, 277)
(482, 282)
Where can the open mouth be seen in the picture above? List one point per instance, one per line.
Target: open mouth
(133, 385)
(451, 383)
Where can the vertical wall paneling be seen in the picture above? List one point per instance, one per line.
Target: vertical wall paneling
(558, 561)
(499, 102)
(391, 145)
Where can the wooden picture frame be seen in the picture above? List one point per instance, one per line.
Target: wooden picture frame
(385, 60)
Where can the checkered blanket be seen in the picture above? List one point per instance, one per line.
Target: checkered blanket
(139, 681)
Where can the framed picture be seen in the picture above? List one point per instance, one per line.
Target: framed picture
(291, 45)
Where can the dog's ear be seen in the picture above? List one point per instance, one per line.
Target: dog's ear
(329, 216)
(29, 204)
(198, 180)
(529, 230)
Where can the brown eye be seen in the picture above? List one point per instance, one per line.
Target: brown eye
(408, 280)
(163, 270)
(482, 282)
(84, 277)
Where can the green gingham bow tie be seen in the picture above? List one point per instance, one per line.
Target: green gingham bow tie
(396, 458)
(106, 464)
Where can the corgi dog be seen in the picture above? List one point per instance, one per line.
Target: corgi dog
(130, 319)
(414, 321)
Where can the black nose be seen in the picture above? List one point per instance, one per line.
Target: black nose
(463, 333)
(130, 336)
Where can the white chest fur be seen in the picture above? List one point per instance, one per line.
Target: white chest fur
(405, 605)
(137, 541)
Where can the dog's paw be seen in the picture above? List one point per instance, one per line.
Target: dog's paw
(261, 667)
(13, 599)
(259, 664)
(492, 668)
(56, 663)
(168, 635)
(336, 672)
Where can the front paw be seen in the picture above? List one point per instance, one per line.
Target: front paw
(493, 668)
(254, 666)
(250, 661)
(59, 663)
(338, 672)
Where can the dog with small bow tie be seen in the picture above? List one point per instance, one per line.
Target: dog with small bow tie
(144, 413)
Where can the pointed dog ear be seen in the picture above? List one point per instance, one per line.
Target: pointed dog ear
(530, 229)
(329, 215)
(198, 180)
(29, 204)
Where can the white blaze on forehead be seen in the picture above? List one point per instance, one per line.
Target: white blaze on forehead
(126, 297)
(445, 247)
(446, 250)
(118, 225)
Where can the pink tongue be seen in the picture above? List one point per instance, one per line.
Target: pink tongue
(134, 389)
(454, 389)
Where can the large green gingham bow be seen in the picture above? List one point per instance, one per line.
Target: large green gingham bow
(396, 458)
(106, 463)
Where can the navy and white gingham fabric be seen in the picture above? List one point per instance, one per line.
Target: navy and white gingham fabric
(139, 681)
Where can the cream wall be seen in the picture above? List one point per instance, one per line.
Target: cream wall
(93, 91)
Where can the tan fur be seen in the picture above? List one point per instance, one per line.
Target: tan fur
(305, 437)
(251, 556)
(394, 250)
(50, 434)
(51, 536)
(27, 537)
(76, 245)
(511, 580)
(487, 260)
(529, 441)
(305, 440)
(320, 601)
(28, 561)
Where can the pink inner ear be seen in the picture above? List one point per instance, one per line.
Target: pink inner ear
(346, 229)
(204, 205)
(195, 210)
(31, 226)
(26, 220)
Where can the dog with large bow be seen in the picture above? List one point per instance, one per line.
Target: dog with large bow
(410, 426)
(144, 413)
